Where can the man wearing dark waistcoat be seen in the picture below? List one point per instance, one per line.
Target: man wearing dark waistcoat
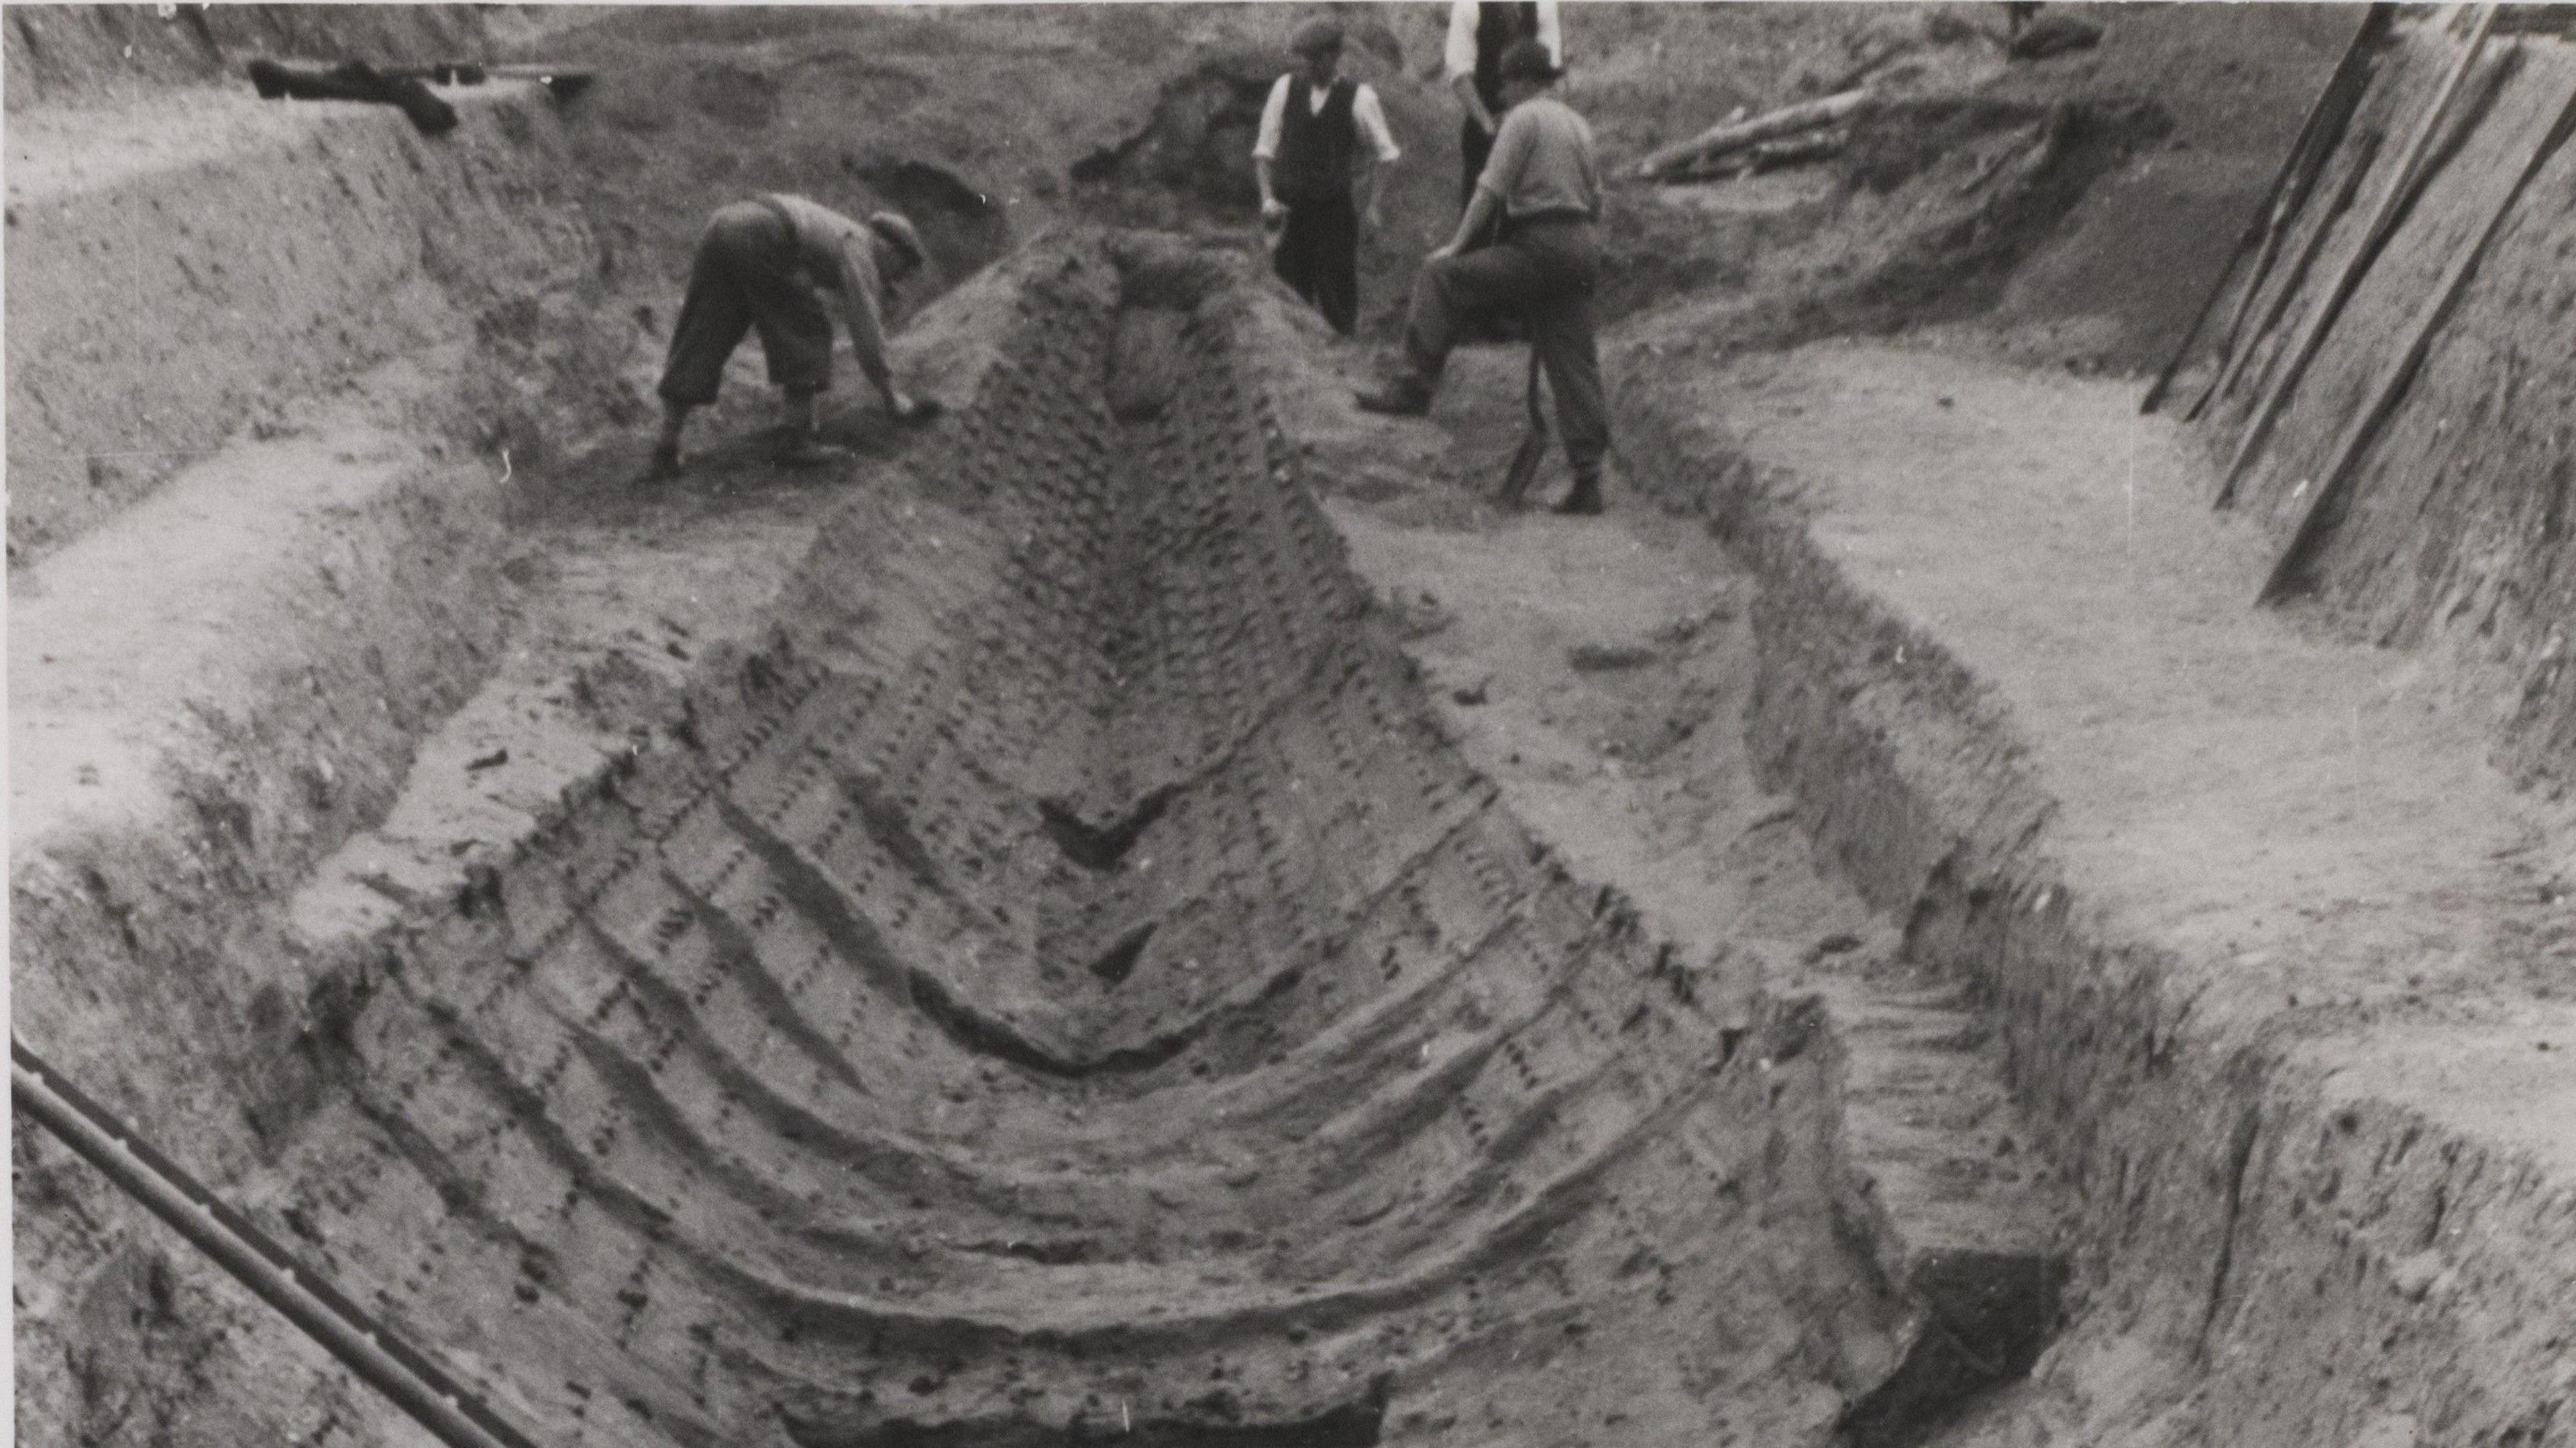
(1479, 32)
(1316, 125)
(1544, 183)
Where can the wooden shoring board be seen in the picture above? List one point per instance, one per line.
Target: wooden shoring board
(2326, 507)
(2366, 155)
(2330, 117)
(2405, 183)
(2319, 134)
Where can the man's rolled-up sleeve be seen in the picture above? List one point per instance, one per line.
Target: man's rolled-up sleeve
(1458, 56)
(1511, 153)
(1274, 117)
(1372, 122)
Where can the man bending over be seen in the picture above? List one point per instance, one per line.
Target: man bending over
(766, 264)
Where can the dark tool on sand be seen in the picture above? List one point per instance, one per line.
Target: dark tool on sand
(353, 80)
(562, 81)
(359, 1340)
(403, 86)
(1533, 446)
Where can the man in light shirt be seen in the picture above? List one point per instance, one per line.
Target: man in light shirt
(1479, 33)
(765, 264)
(1544, 183)
(1317, 125)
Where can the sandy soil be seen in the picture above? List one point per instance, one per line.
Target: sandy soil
(2340, 898)
(767, 986)
(2302, 809)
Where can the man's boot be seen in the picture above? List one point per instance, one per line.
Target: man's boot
(665, 464)
(1583, 500)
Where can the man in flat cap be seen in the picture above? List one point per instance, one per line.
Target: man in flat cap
(1316, 127)
(1544, 181)
(765, 264)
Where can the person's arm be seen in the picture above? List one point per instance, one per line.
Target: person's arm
(1458, 51)
(1265, 147)
(1377, 153)
(1511, 153)
(1465, 89)
(855, 252)
(1480, 212)
(1372, 180)
(1551, 32)
(1458, 62)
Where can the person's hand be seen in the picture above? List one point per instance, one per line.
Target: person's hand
(1370, 222)
(1273, 210)
(904, 408)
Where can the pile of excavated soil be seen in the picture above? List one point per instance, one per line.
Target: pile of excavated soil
(1153, 127)
(968, 120)
(2127, 268)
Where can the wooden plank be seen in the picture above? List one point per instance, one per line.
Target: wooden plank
(1736, 134)
(2319, 136)
(2325, 509)
(2367, 155)
(2393, 206)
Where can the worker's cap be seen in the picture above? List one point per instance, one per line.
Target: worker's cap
(898, 232)
(1316, 36)
(1529, 60)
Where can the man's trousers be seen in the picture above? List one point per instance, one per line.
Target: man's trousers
(1546, 272)
(745, 277)
(1319, 258)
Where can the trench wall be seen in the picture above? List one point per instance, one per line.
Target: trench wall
(2303, 1268)
(261, 360)
(2451, 531)
(181, 269)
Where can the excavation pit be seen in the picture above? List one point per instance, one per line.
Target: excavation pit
(1150, 911)
(1060, 973)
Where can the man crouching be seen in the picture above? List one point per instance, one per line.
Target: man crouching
(765, 264)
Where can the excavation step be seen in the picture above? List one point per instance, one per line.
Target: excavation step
(2266, 943)
(152, 316)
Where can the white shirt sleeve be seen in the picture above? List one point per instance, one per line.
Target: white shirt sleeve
(1459, 56)
(1371, 119)
(1266, 146)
